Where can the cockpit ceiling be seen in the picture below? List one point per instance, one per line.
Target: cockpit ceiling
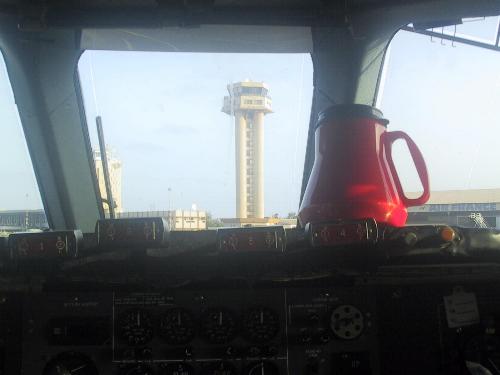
(159, 13)
(205, 38)
(284, 4)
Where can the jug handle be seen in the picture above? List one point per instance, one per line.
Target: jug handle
(418, 159)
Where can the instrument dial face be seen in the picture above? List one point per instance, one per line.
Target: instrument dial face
(262, 368)
(218, 326)
(136, 327)
(260, 325)
(347, 322)
(70, 363)
(177, 369)
(177, 326)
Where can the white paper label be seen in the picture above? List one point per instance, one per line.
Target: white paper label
(461, 309)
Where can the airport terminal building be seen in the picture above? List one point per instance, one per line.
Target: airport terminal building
(459, 207)
(466, 208)
(184, 220)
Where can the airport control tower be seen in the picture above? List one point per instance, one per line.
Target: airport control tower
(248, 102)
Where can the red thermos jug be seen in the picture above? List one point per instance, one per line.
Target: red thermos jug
(354, 176)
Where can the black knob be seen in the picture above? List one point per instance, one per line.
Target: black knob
(305, 338)
(145, 353)
(188, 352)
(254, 351)
(272, 351)
(324, 337)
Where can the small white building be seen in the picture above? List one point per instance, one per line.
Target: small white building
(188, 220)
(181, 220)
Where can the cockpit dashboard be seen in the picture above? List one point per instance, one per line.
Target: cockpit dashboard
(209, 303)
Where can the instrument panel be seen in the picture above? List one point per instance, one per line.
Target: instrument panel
(205, 328)
(206, 332)
(315, 330)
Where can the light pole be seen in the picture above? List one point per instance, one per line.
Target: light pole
(169, 195)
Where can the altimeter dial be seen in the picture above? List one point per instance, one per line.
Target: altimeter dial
(136, 327)
(177, 326)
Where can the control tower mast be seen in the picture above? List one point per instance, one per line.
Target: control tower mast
(248, 102)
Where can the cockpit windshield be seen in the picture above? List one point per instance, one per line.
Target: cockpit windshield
(444, 94)
(171, 127)
(219, 139)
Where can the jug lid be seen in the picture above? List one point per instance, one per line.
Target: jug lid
(350, 111)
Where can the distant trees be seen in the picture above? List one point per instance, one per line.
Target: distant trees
(291, 215)
(213, 223)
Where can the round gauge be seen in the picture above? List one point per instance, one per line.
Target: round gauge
(262, 368)
(177, 326)
(136, 326)
(260, 325)
(136, 370)
(347, 322)
(220, 368)
(177, 369)
(218, 326)
(70, 363)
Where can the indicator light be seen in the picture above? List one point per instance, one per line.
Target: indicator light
(448, 234)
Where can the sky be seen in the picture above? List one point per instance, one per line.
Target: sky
(162, 117)
(446, 97)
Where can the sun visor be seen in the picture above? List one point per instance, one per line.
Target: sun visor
(205, 38)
